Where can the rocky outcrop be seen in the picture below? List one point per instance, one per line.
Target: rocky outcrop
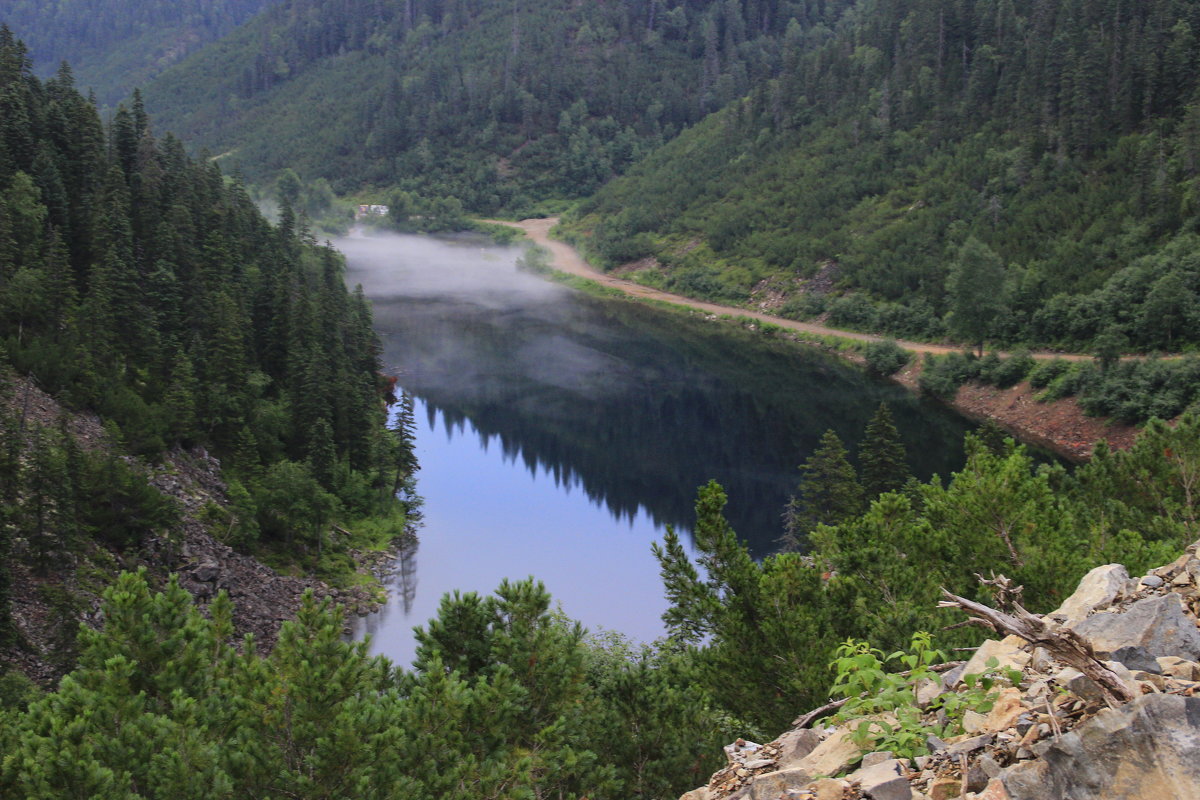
(1052, 735)
(48, 605)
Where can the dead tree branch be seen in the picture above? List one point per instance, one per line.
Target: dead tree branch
(1063, 644)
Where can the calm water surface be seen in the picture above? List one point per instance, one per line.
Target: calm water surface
(559, 434)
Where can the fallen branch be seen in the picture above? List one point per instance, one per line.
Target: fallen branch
(1063, 644)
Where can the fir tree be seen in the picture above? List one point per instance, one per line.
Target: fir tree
(829, 491)
(882, 462)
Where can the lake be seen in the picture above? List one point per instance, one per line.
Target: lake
(559, 433)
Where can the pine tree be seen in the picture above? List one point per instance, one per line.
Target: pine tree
(882, 462)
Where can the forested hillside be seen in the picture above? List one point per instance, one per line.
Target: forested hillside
(498, 104)
(144, 286)
(993, 169)
(115, 46)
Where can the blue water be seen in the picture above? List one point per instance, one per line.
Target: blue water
(559, 434)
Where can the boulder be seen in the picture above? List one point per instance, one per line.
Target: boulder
(1158, 624)
(882, 781)
(1005, 711)
(1136, 658)
(1006, 651)
(1097, 589)
(795, 745)
(1147, 748)
(831, 756)
(701, 793)
(206, 571)
(771, 785)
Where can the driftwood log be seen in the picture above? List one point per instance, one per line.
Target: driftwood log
(1063, 644)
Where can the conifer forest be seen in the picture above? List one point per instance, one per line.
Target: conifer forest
(999, 196)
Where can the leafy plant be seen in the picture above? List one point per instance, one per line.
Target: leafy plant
(873, 695)
(884, 704)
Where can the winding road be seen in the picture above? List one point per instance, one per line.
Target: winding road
(566, 258)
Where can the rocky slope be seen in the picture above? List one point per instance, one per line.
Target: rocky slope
(47, 608)
(1052, 733)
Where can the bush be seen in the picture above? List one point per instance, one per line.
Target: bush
(1004, 373)
(886, 357)
(941, 377)
(1044, 373)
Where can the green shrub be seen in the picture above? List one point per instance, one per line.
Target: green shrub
(886, 357)
(1044, 373)
(941, 377)
(1007, 372)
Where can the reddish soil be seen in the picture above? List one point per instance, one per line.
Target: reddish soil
(1059, 425)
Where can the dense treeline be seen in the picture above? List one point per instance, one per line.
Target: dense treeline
(145, 286)
(1000, 169)
(496, 104)
(509, 700)
(115, 45)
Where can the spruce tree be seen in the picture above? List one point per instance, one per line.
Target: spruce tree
(882, 462)
(829, 491)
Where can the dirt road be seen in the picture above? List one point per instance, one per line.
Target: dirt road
(566, 259)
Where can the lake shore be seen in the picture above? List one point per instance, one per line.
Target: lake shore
(1059, 426)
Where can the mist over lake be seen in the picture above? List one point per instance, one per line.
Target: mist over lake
(559, 434)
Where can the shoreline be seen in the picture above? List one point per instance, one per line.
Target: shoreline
(1059, 426)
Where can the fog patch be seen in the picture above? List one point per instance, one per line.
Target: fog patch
(463, 268)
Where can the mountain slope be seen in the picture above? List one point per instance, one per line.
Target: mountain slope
(496, 103)
(1052, 148)
(116, 45)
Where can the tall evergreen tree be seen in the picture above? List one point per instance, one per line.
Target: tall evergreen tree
(828, 492)
(882, 461)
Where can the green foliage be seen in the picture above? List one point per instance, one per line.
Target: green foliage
(1018, 194)
(882, 461)
(115, 46)
(498, 104)
(885, 357)
(942, 376)
(828, 492)
(871, 692)
(163, 705)
(146, 287)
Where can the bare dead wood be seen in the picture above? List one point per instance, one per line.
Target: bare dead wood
(804, 720)
(1063, 644)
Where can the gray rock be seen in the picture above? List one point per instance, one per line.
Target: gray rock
(1080, 685)
(1148, 748)
(1158, 624)
(934, 744)
(883, 781)
(795, 745)
(1136, 658)
(206, 571)
(1097, 589)
(952, 677)
(871, 759)
(1152, 581)
(989, 765)
(759, 763)
(770, 785)
(970, 745)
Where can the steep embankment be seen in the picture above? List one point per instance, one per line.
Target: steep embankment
(1060, 425)
(50, 598)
